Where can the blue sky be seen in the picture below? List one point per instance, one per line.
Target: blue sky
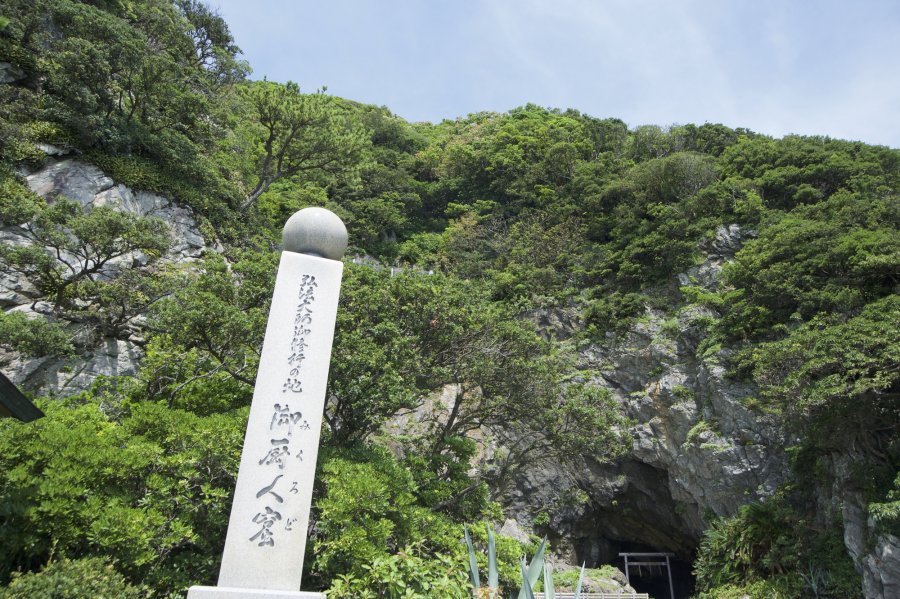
(823, 67)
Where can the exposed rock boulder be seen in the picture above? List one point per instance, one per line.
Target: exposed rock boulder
(726, 243)
(10, 73)
(15, 288)
(70, 178)
(881, 569)
(65, 376)
(53, 150)
(512, 529)
(556, 323)
(91, 187)
(875, 554)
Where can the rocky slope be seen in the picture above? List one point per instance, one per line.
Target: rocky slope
(698, 450)
(110, 356)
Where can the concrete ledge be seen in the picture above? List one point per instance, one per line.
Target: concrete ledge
(235, 593)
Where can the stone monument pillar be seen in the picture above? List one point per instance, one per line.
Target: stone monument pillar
(263, 557)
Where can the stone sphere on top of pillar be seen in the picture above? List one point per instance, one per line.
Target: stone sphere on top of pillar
(315, 231)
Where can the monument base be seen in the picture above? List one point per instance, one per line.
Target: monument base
(235, 593)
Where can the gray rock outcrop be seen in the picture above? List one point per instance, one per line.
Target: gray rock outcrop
(108, 356)
(881, 568)
(697, 449)
(10, 73)
(89, 186)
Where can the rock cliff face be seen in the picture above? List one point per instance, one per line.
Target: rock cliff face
(111, 356)
(697, 449)
(875, 554)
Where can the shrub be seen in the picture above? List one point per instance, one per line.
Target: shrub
(613, 312)
(33, 336)
(778, 587)
(773, 543)
(89, 578)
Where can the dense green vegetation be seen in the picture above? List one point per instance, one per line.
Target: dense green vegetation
(126, 488)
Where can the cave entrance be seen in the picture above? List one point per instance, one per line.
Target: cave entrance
(662, 575)
(652, 562)
(599, 550)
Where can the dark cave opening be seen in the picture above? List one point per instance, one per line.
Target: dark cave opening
(632, 510)
(651, 579)
(645, 518)
(655, 579)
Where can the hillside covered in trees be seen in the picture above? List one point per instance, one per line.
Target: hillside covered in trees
(491, 257)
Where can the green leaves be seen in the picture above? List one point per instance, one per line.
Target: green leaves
(835, 256)
(549, 589)
(207, 335)
(885, 513)
(493, 587)
(473, 560)
(70, 247)
(17, 204)
(531, 575)
(772, 543)
(580, 582)
(298, 133)
(837, 373)
(150, 488)
(493, 573)
(405, 575)
(33, 336)
(73, 579)
(371, 535)
(527, 591)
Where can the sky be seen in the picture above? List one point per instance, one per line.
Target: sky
(811, 67)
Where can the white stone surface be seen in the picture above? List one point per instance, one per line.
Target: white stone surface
(70, 178)
(232, 593)
(267, 529)
(91, 187)
(315, 231)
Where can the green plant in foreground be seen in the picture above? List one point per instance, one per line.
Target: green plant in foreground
(550, 588)
(493, 587)
(86, 578)
(530, 575)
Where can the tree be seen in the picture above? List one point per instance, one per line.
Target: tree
(840, 376)
(144, 483)
(649, 141)
(298, 134)
(73, 579)
(69, 246)
(399, 339)
(32, 336)
(205, 338)
(406, 336)
(214, 49)
(835, 256)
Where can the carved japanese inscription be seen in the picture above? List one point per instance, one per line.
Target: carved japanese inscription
(270, 513)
